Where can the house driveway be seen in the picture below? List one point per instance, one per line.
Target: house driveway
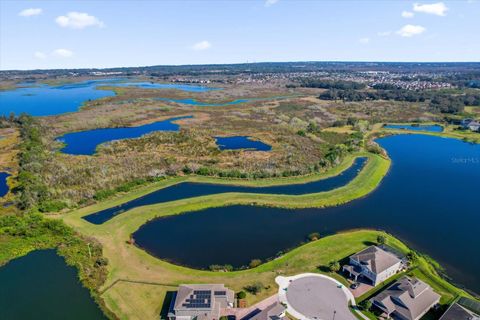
(313, 296)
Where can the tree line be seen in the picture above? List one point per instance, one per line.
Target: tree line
(442, 102)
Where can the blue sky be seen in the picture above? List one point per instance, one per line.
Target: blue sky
(69, 34)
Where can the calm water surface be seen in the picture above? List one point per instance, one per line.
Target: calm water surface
(86, 142)
(41, 286)
(45, 100)
(429, 199)
(3, 183)
(430, 128)
(241, 142)
(189, 189)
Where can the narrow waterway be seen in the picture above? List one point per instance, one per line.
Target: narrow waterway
(429, 199)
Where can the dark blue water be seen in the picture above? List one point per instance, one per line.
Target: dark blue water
(241, 142)
(3, 183)
(194, 102)
(41, 286)
(190, 189)
(45, 100)
(86, 142)
(431, 128)
(430, 199)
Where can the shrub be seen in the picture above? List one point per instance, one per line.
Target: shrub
(381, 239)
(334, 266)
(241, 295)
(255, 263)
(254, 288)
(366, 304)
(314, 236)
(51, 206)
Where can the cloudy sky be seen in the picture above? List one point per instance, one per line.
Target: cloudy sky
(69, 34)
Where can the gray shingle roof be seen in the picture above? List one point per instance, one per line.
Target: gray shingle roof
(408, 297)
(376, 259)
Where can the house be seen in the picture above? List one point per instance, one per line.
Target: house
(373, 264)
(406, 299)
(459, 311)
(275, 311)
(200, 302)
(470, 124)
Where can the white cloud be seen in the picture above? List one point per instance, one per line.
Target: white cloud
(30, 12)
(410, 30)
(364, 40)
(438, 8)
(78, 20)
(202, 45)
(62, 53)
(269, 3)
(384, 33)
(407, 14)
(40, 55)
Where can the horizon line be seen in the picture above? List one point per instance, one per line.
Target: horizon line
(243, 63)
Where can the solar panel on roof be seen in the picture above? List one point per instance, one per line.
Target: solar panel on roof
(220, 293)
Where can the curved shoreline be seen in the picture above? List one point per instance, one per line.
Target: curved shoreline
(130, 265)
(271, 182)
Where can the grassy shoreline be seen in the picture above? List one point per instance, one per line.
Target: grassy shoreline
(146, 189)
(137, 282)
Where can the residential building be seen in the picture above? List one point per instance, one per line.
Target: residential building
(470, 124)
(275, 311)
(200, 302)
(463, 309)
(374, 264)
(406, 299)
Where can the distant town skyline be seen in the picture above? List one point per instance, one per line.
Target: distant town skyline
(104, 34)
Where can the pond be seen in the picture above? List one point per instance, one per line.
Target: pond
(86, 142)
(45, 100)
(429, 199)
(191, 189)
(3, 183)
(241, 142)
(415, 127)
(41, 286)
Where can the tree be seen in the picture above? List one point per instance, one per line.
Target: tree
(381, 239)
(241, 295)
(334, 266)
(366, 304)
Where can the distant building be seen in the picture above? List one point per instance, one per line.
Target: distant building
(470, 124)
(275, 311)
(200, 302)
(406, 299)
(463, 309)
(373, 264)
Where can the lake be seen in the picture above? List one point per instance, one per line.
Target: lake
(45, 100)
(41, 286)
(192, 189)
(86, 142)
(415, 127)
(429, 199)
(3, 183)
(241, 142)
